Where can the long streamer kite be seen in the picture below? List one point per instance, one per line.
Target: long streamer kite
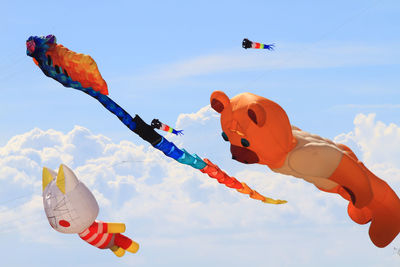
(80, 72)
(246, 43)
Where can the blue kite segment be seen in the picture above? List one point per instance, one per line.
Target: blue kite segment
(169, 149)
(192, 160)
(113, 107)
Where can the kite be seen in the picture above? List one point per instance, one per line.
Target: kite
(67, 67)
(71, 208)
(156, 124)
(40, 48)
(259, 131)
(246, 43)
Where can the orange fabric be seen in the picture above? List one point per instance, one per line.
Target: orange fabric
(375, 201)
(385, 209)
(360, 216)
(80, 67)
(272, 130)
(245, 190)
(266, 128)
(338, 190)
(252, 193)
(215, 172)
(349, 175)
(348, 151)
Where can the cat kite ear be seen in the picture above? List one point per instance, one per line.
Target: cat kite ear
(220, 101)
(257, 114)
(66, 179)
(47, 176)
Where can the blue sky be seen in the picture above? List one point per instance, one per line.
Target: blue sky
(334, 70)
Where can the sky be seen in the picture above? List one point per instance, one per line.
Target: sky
(334, 70)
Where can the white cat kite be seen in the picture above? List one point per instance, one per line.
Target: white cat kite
(71, 208)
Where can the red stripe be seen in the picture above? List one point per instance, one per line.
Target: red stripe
(106, 242)
(93, 227)
(92, 230)
(97, 239)
(89, 235)
(165, 127)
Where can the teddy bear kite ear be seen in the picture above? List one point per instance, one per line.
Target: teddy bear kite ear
(219, 101)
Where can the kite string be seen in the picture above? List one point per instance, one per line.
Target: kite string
(9, 70)
(15, 198)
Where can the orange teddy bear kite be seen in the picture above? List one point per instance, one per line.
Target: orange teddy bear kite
(260, 132)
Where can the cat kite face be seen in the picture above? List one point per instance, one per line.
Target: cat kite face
(257, 128)
(69, 205)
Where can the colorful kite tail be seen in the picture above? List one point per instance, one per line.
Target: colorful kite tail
(156, 124)
(249, 44)
(215, 172)
(80, 72)
(263, 46)
(211, 169)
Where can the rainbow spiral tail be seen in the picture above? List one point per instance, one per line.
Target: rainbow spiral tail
(246, 43)
(156, 124)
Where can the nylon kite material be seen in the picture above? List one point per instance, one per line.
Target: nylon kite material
(259, 132)
(40, 47)
(71, 208)
(65, 66)
(156, 124)
(246, 43)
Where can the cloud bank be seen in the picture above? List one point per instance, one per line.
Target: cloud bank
(173, 209)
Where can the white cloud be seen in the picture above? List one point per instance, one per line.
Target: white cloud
(201, 117)
(378, 142)
(169, 207)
